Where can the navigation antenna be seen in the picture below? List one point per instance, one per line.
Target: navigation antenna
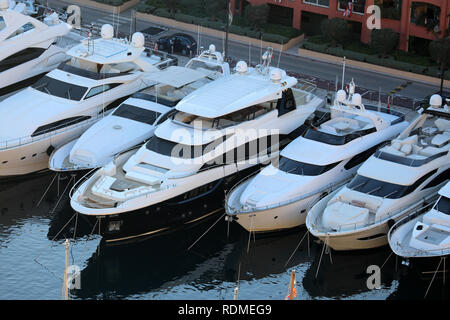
(266, 60)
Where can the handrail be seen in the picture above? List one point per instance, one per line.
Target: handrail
(80, 181)
(30, 139)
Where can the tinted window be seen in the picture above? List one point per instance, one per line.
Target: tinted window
(360, 158)
(384, 189)
(286, 103)
(407, 161)
(179, 150)
(20, 57)
(443, 176)
(443, 205)
(26, 27)
(60, 89)
(100, 89)
(301, 168)
(137, 114)
(334, 140)
(58, 125)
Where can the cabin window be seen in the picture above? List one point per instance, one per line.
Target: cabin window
(443, 205)
(385, 189)
(301, 168)
(360, 158)
(179, 150)
(335, 140)
(137, 114)
(166, 116)
(20, 57)
(286, 103)
(59, 125)
(60, 89)
(100, 89)
(25, 28)
(443, 176)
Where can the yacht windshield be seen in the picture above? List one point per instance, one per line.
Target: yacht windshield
(202, 65)
(60, 89)
(383, 189)
(335, 140)
(305, 169)
(443, 205)
(137, 114)
(178, 150)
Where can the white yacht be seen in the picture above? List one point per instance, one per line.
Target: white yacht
(313, 165)
(101, 74)
(135, 120)
(28, 47)
(424, 235)
(393, 183)
(220, 133)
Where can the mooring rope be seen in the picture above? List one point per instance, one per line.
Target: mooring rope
(206, 231)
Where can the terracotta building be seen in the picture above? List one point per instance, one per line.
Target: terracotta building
(416, 21)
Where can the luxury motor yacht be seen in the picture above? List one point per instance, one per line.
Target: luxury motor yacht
(220, 133)
(60, 106)
(313, 165)
(135, 120)
(424, 235)
(393, 183)
(28, 46)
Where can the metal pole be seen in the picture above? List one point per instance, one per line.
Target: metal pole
(227, 29)
(343, 75)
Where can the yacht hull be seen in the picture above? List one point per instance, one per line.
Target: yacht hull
(165, 216)
(34, 156)
(277, 219)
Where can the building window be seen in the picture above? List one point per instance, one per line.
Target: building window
(424, 14)
(390, 9)
(358, 6)
(323, 3)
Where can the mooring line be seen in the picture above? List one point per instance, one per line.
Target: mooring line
(48, 188)
(295, 250)
(206, 231)
(321, 255)
(437, 269)
(57, 203)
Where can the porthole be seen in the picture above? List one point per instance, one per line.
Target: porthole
(34, 155)
(4, 162)
(23, 158)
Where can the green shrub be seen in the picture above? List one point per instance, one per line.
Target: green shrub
(274, 38)
(285, 31)
(162, 12)
(145, 8)
(383, 41)
(112, 2)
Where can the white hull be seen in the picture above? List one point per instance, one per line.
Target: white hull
(33, 156)
(372, 236)
(399, 241)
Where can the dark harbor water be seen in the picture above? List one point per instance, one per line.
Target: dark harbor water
(32, 258)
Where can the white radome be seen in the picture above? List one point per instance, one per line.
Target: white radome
(341, 96)
(276, 75)
(436, 101)
(107, 31)
(138, 40)
(357, 99)
(241, 67)
(4, 4)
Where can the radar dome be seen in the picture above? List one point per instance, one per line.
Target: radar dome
(241, 67)
(4, 4)
(436, 101)
(341, 96)
(275, 75)
(138, 40)
(357, 99)
(107, 31)
(212, 48)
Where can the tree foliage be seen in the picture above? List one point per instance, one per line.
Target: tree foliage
(215, 7)
(383, 41)
(440, 51)
(335, 30)
(173, 6)
(257, 16)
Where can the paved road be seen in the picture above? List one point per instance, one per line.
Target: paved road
(322, 73)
